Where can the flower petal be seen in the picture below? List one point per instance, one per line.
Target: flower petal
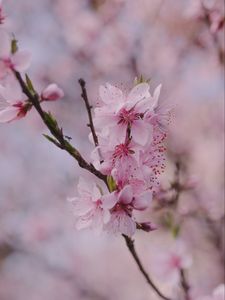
(21, 60)
(81, 206)
(110, 93)
(141, 132)
(156, 96)
(142, 201)
(8, 114)
(109, 200)
(126, 194)
(138, 93)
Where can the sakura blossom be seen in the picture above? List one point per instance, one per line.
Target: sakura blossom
(217, 294)
(15, 105)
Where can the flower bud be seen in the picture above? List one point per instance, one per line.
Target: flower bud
(51, 93)
(147, 226)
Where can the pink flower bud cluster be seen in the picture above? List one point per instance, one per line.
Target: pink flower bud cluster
(15, 103)
(130, 153)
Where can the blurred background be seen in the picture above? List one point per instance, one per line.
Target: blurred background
(177, 43)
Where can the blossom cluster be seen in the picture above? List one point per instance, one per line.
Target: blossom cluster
(130, 152)
(14, 101)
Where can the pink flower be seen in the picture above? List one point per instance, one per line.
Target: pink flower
(121, 112)
(121, 156)
(91, 208)
(19, 61)
(15, 107)
(52, 92)
(175, 258)
(218, 294)
(121, 215)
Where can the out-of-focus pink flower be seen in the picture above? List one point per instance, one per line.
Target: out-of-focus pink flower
(218, 294)
(91, 208)
(171, 261)
(217, 20)
(19, 61)
(52, 92)
(15, 107)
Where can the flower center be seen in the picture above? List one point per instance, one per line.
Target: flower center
(121, 151)
(128, 116)
(8, 63)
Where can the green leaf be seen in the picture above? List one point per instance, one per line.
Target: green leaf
(140, 79)
(50, 139)
(50, 119)
(175, 230)
(30, 84)
(111, 183)
(14, 46)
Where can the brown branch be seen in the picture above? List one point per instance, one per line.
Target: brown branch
(88, 107)
(57, 132)
(184, 284)
(130, 245)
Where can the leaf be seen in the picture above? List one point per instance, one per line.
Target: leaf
(30, 84)
(51, 120)
(176, 230)
(52, 140)
(14, 46)
(141, 79)
(111, 183)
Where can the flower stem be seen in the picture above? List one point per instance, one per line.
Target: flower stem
(131, 247)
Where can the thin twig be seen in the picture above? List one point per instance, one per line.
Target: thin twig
(184, 284)
(130, 245)
(88, 107)
(57, 132)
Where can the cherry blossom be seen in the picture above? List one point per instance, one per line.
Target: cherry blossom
(217, 294)
(15, 105)
(172, 260)
(89, 207)
(120, 111)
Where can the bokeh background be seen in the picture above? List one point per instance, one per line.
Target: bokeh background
(178, 43)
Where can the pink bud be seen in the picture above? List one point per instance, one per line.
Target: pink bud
(147, 226)
(52, 92)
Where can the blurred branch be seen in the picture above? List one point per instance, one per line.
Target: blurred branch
(61, 141)
(5, 251)
(130, 245)
(184, 284)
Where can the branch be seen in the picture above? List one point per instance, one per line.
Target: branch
(184, 284)
(57, 132)
(130, 245)
(88, 107)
